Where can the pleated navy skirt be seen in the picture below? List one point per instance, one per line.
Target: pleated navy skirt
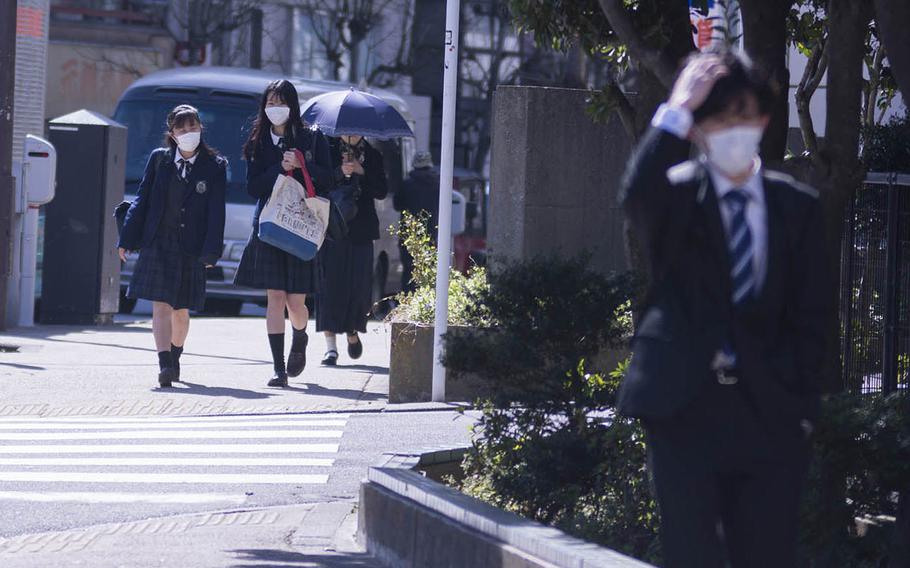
(265, 267)
(164, 273)
(345, 299)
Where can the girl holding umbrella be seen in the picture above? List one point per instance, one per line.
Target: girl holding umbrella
(277, 131)
(346, 264)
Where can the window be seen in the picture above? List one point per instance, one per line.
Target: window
(312, 32)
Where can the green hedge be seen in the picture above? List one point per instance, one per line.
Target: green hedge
(549, 446)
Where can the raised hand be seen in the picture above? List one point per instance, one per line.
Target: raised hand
(696, 81)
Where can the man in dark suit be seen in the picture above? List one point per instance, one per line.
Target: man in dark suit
(419, 195)
(730, 345)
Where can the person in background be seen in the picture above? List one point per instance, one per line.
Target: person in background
(277, 131)
(730, 349)
(419, 194)
(177, 225)
(344, 301)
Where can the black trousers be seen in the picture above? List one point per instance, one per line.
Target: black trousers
(728, 492)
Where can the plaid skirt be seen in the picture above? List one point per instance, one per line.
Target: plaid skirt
(265, 267)
(164, 273)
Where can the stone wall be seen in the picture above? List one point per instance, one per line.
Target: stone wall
(554, 177)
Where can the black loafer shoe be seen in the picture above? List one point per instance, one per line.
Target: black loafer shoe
(296, 363)
(167, 376)
(279, 380)
(355, 350)
(330, 359)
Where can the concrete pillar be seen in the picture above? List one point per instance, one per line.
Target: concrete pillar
(554, 178)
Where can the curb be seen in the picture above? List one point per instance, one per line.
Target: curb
(409, 521)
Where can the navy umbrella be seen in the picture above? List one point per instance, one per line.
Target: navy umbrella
(351, 113)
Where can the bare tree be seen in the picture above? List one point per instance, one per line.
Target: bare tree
(208, 22)
(344, 28)
(491, 55)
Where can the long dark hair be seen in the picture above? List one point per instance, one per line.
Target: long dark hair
(260, 133)
(179, 117)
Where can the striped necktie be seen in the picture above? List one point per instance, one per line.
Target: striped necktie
(742, 272)
(183, 168)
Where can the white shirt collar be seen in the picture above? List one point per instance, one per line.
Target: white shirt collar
(275, 137)
(178, 156)
(752, 187)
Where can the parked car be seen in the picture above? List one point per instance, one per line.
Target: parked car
(227, 99)
(470, 246)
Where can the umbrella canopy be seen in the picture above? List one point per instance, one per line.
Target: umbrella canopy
(352, 112)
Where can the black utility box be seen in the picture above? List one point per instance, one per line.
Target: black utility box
(81, 269)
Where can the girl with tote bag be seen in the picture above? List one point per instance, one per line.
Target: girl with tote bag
(270, 152)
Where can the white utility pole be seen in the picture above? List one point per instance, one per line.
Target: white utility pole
(446, 166)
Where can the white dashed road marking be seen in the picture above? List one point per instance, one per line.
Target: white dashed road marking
(67, 459)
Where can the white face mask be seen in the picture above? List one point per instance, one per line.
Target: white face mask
(733, 150)
(189, 141)
(278, 115)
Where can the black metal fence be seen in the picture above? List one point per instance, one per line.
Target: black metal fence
(875, 286)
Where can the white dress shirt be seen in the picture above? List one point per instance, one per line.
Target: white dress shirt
(678, 121)
(275, 137)
(178, 157)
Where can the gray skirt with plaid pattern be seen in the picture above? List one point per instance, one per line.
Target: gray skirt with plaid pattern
(164, 273)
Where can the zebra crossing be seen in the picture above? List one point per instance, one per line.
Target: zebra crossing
(155, 459)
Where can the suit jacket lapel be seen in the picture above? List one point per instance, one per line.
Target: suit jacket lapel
(774, 251)
(712, 223)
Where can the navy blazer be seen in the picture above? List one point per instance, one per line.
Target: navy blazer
(202, 215)
(265, 166)
(364, 228)
(688, 315)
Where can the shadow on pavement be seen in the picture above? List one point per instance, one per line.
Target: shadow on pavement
(25, 367)
(351, 394)
(265, 558)
(152, 350)
(184, 387)
(376, 370)
(45, 331)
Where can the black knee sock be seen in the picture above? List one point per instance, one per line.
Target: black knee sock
(276, 342)
(176, 352)
(300, 340)
(165, 360)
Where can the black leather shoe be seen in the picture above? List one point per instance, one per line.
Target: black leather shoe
(296, 363)
(330, 359)
(355, 350)
(166, 376)
(279, 380)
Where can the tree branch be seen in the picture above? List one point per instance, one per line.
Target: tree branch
(624, 109)
(875, 79)
(808, 84)
(655, 60)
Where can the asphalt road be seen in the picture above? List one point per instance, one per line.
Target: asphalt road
(65, 473)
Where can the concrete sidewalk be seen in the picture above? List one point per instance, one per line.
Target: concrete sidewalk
(320, 534)
(112, 371)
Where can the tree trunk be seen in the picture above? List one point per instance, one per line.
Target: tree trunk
(765, 40)
(899, 553)
(576, 75)
(893, 20)
(837, 175)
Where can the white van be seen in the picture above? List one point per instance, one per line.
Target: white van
(228, 100)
